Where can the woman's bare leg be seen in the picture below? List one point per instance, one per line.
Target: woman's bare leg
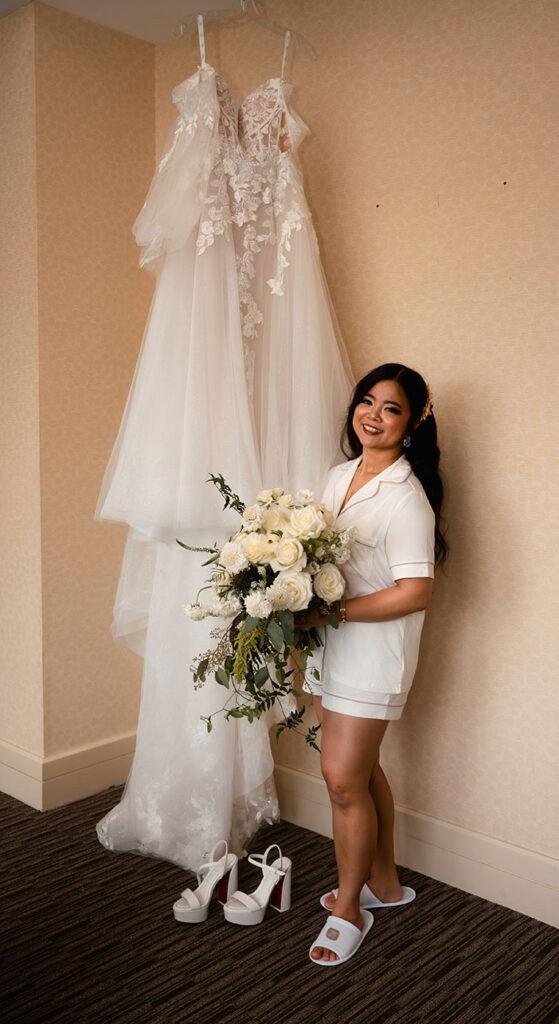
(350, 750)
(383, 878)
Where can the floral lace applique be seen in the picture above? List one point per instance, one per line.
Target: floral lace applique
(253, 186)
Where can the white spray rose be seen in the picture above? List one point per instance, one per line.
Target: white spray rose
(289, 554)
(329, 583)
(306, 522)
(299, 586)
(305, 497)
(285, 500)
(233, 557)
(269, 495)
(257, 604)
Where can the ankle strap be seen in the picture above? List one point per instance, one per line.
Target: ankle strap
(260, 860)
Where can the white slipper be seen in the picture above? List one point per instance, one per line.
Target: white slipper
(342, 938)
(368, 900)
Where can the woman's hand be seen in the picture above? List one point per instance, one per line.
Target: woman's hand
(310, 619)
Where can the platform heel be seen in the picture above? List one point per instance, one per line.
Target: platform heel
(221, 873)
(275, 889)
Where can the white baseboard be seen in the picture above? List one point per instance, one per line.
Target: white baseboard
(47, 782)
(497, 871)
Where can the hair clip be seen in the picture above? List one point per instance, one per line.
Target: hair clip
(428, 407)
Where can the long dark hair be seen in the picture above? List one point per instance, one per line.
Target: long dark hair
(423, 453)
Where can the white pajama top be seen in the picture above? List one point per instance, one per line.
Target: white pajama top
(368, 667)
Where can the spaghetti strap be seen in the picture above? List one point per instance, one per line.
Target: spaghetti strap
(285, 49)
(201, 39)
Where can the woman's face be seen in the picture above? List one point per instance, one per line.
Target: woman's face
(381, 418)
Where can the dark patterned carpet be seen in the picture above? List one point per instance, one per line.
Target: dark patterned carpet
(89, 935)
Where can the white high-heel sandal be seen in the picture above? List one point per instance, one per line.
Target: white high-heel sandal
(193, 905)
(275, 889)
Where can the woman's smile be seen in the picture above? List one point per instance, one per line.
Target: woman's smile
(381, 418)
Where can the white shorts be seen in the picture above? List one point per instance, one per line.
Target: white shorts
(387, 706)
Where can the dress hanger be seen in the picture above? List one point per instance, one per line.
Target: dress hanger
(249, 9)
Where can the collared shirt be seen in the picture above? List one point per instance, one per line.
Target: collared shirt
(394, 528)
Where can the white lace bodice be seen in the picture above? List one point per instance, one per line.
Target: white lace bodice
(233, 164)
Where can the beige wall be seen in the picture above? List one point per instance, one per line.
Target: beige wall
(81, 127)
(419, 111)
(95, 120)
(21, 689)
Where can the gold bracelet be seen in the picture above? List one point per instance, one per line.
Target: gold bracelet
(342, 615)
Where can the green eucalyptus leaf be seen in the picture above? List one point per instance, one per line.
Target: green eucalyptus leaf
(261, 676)
(222, 677)
(287, 620)
(275, 632)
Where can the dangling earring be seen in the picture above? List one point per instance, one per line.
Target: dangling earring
(407, 441)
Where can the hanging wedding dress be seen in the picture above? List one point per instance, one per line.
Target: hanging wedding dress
(240, 372)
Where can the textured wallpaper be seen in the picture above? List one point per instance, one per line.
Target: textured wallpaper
(431, 174)
(21, 682)
(95, 121)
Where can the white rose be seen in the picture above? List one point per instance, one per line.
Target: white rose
(289, 554)
(233, 557)
(257, 604)
(329, 583)
(277, 492)
(299, 586)
(285, 500)
(265, 497)
(195, 611)
(275, 518)
(260, 547)
(305, 497)
(306, 522)
(253, 517)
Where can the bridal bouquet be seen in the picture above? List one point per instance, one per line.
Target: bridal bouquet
(283, 559)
